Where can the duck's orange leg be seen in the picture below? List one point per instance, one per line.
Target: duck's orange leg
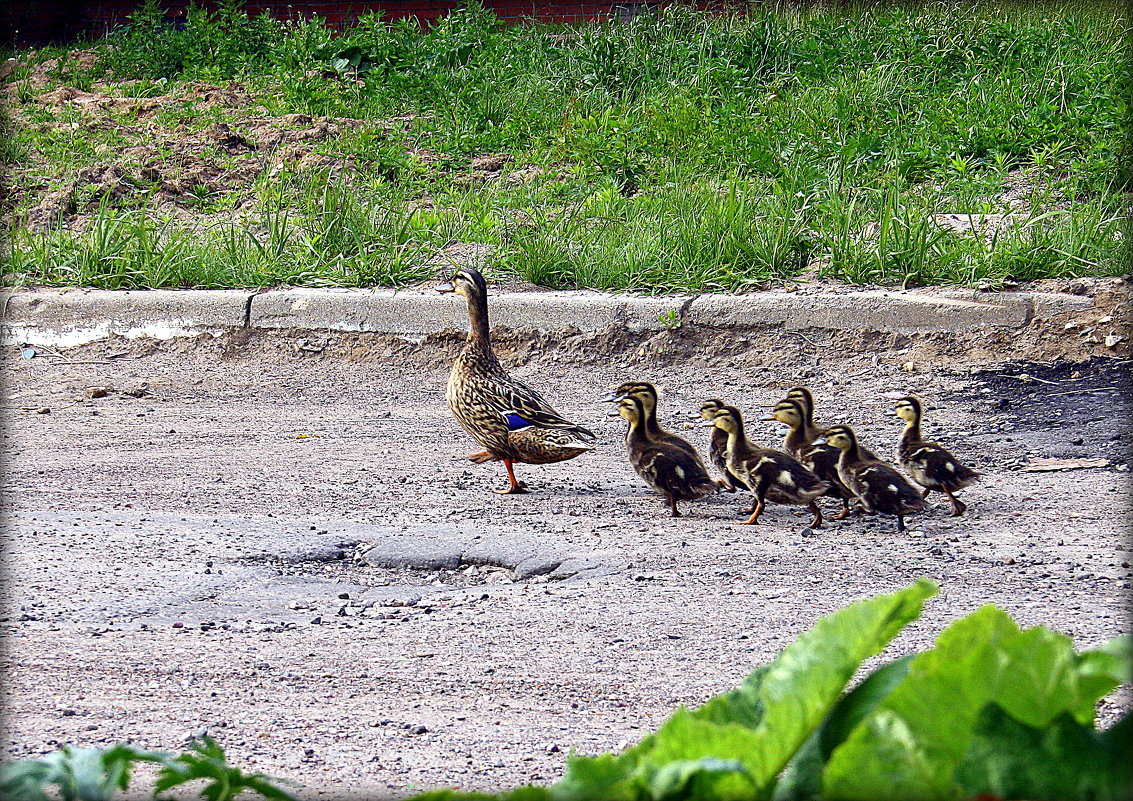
(514, 487)
(958, 507)
(673, 506)
(817, 515)
(845, 510)
(756, 512)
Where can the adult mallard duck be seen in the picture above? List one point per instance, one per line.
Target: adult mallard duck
(676, 472)
(508, 418)
(929, 463)
(821, 458)
(879, 487)
(718, 447)
(647, 394)
(770, 475)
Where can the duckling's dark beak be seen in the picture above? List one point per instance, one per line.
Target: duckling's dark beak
(613, 397)
(708, 424)
(769, 417)
(613, 412)
(447, 286)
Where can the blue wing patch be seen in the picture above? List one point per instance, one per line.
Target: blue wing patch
(514, 421)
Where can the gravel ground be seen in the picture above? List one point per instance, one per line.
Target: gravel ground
(183, 552)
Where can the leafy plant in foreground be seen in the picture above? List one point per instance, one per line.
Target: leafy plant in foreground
(95, 774)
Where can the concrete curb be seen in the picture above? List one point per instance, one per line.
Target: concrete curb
(65, 318)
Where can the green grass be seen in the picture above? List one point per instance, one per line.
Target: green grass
(683, 151)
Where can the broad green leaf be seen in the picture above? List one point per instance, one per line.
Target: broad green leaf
(919, 733)
(911, 744)
(1066, 761)
(762, 722)
(598, 778)
(802, 778)
(685, 737)
(454, 795)
(527, 793)
(1101, 670)
(1041, 681)
(797, 690)
(701, 779)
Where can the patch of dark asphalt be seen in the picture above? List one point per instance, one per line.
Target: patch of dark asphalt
(1059, 410)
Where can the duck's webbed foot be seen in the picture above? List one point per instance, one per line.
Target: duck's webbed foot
(958, 506)
(673, 510)
(515, 487)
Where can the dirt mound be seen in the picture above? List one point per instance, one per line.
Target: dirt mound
(193, 152)
(181, 166)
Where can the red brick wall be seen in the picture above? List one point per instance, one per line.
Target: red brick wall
(33, 22)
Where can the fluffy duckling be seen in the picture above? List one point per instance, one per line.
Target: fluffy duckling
(770, 475)
(931, 465)
(718, 445)
(820, 458)
(647, 394)
(812, 430)
(879, 487)
(676, 472)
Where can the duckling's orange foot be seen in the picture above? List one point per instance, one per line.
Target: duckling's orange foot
(727, 486)
(480, 457)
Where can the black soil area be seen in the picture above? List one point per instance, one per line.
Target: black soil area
(1084, 405)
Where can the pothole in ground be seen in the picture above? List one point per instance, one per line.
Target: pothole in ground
(397, 574)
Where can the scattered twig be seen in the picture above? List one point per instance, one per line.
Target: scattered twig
(811, 341)
(1026, 377)
(1080, 391)
(74, 361)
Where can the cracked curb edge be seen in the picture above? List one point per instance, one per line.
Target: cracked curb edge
(66, 318)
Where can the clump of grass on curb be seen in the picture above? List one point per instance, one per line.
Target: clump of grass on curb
(679, 151)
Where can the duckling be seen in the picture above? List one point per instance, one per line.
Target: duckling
(718, 446)
(820, 458)
(770, 475)
(879, 487)
(804, 398)
(647, 394)
(931, 465)
(676, 472)
(510, 420)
